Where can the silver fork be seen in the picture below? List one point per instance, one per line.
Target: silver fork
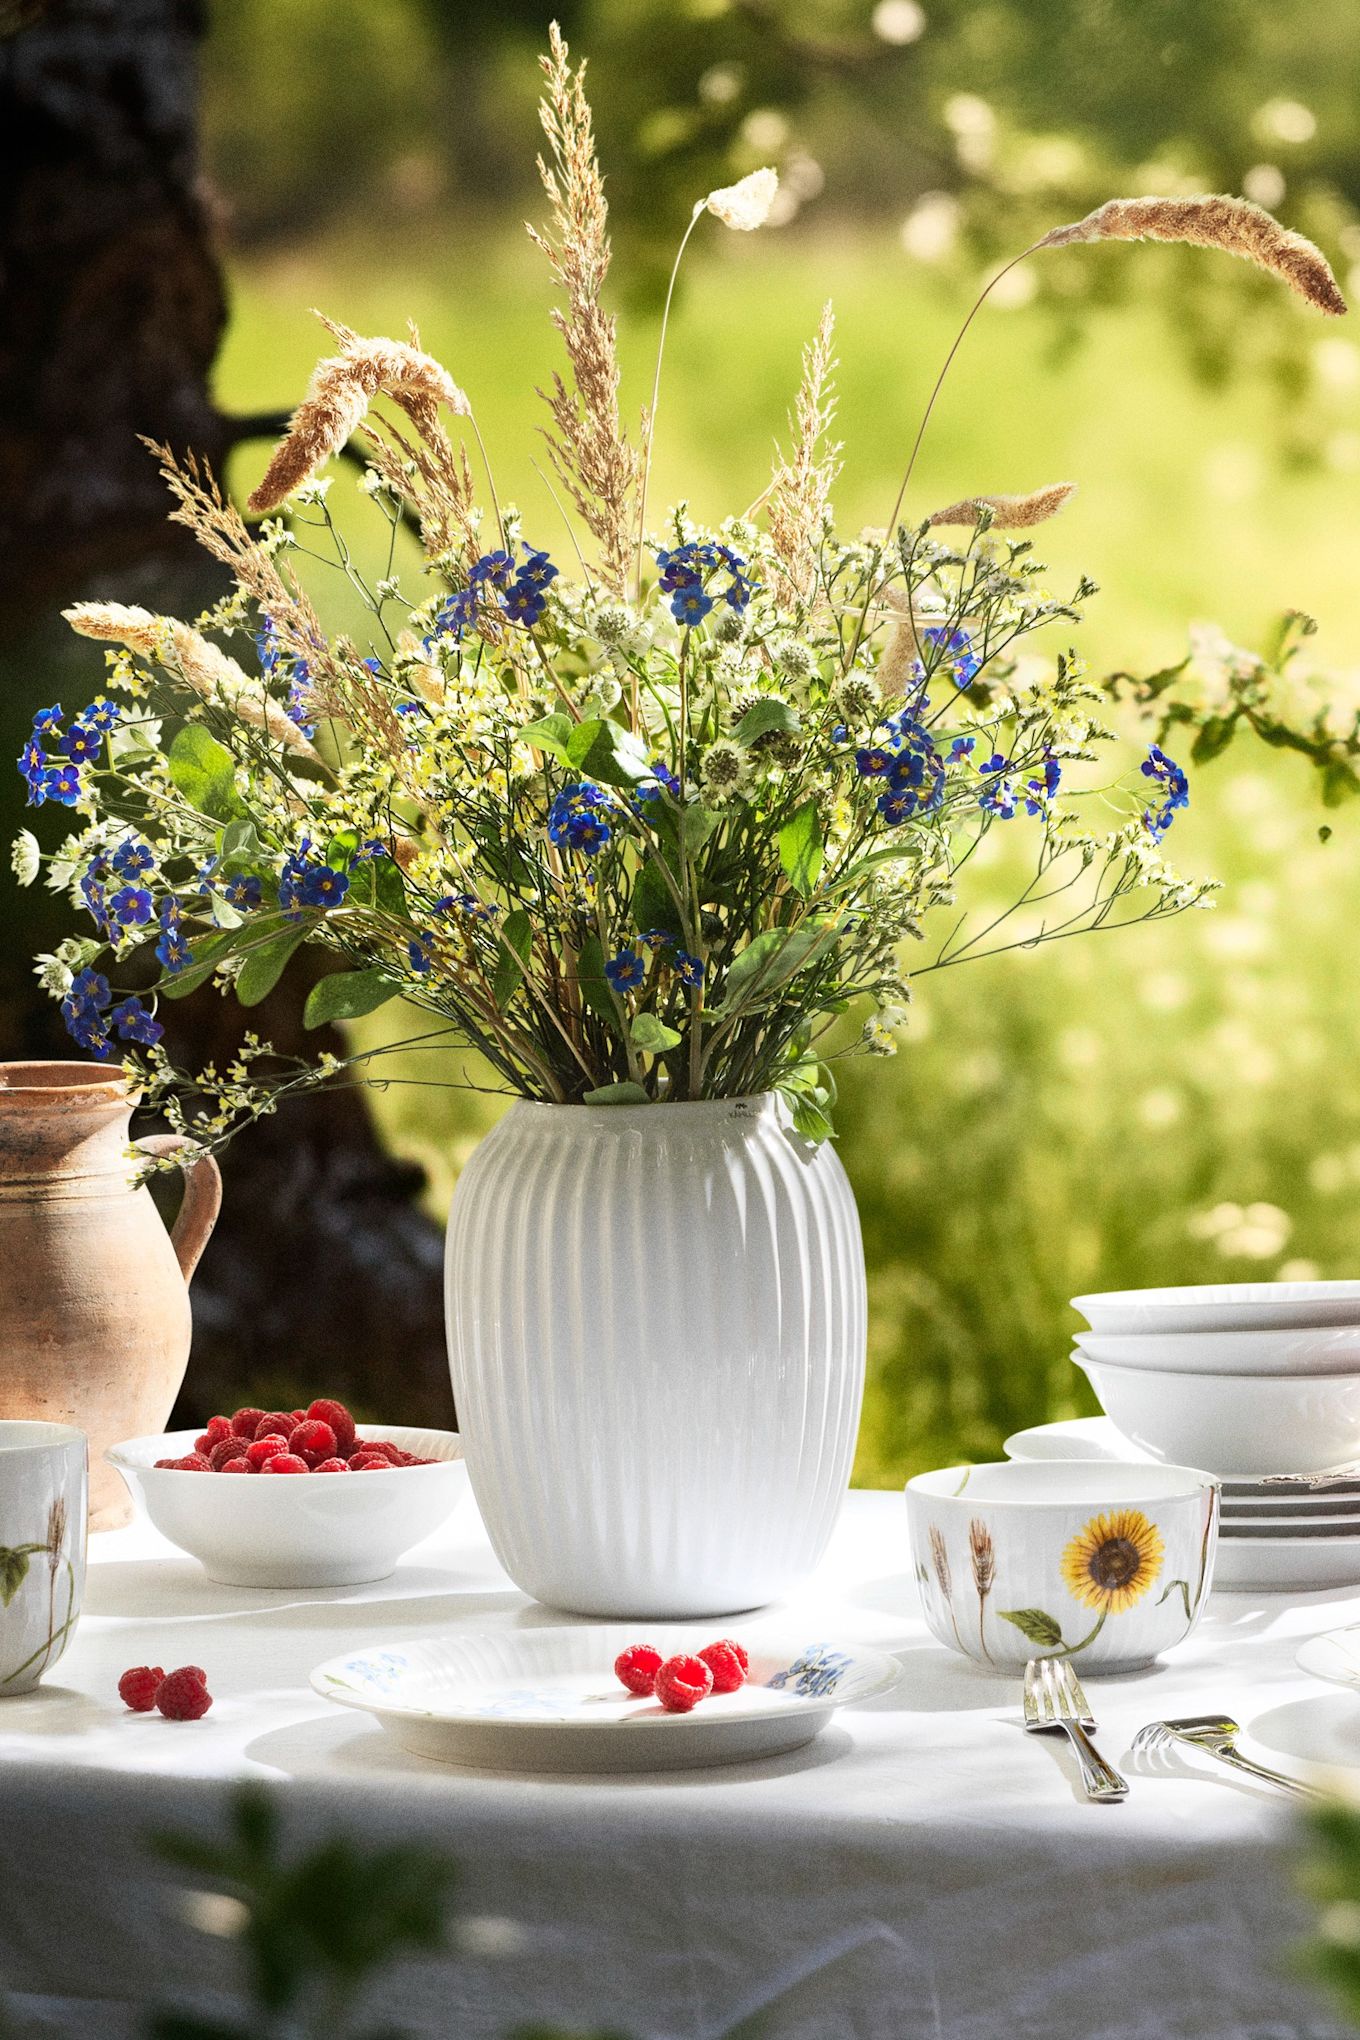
(1055, 1703)
(1217, 1734)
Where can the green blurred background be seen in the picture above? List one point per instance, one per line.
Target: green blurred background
(1180, 1104)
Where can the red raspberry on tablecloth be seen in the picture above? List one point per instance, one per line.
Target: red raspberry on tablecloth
(312, 1441)
(265, 1448)
(728, 1663)
(184, 1696)
(682, 1682)
(138, 1688)
(326, 1411)
(239, 1464)
(285, 1462)
(333, 1466)
(192, 1462)
(637, 1668)
(246, 1422)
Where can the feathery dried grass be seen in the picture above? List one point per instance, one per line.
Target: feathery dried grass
(800, 488)
(1010, 513)
(589, 449)
(337, 400)
(1233, 224)
(982, 1556)
(202, 665)
(746, 204)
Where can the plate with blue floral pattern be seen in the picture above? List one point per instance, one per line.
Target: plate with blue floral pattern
(547, 1699)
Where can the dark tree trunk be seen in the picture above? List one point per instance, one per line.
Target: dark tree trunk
(323, 1273)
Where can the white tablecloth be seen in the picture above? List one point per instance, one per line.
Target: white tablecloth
(923, 1869)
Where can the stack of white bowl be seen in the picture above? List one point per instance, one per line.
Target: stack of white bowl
(1258, 1384)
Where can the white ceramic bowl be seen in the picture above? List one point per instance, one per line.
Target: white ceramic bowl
(1233, 1423)
(300, 1530)
(1319, 1349)
(1110, 1564)
(1222, 1307)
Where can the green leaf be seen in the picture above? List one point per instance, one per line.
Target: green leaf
(770, 960)
(347, 995)
(204, 772)
(223, 913)
(1034, 1625)
(208, 951)
(810, 1122)
(1338, 783)
(239, 849)
(800, 848)
(652, 1035)
(341, 848)
(516, 941)
(653, 903)
(606, 751)
(1213, 738)
(764, 719)
(13, 1571)
(617, 1094)
(696, 826)
(594, 984)
(265, 965)
(549, 735)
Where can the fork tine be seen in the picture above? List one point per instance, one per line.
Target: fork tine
(1052, 1706)
(1154, 1735)
(1074, 1693)
(1032, 1690)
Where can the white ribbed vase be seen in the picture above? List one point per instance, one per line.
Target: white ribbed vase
(656, 1331)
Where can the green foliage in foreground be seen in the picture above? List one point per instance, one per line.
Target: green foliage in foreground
(1332, 1879)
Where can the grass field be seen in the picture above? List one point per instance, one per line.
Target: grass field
(1178, 1104)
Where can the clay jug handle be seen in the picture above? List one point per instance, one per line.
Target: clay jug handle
(202, 1196)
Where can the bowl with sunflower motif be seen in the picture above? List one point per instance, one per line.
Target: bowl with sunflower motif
(1109, 1565)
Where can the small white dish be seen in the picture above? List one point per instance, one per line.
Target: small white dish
(1095, 1439)
(1222, 1307)
(1334, 1657)
(1231, 1423)
(1326, 1349)
(297, 1530)
(1108, 1563)
(1286, 1565)
(548, 1700)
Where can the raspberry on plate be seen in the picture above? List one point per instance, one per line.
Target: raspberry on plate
(138, 1688)
(326, 1411)
(192, 1462)
(225, 1449)
(265, 1448)
(333, 1466)
(184, 1696)
(637, 1668)
(285, 1462)
(246, 1422)
(312, 1440)
(240, 1464)
(728, 1663)
(370, 1462)
(682, 1682)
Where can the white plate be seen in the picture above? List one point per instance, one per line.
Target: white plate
(1222, 1307)
(547, 1699)
(1096, 1438)
(1295, 1513)
(1285, 1565)
(1293, 1350)
(1334, 1657)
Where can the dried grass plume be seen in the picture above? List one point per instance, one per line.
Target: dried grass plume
(746, 204)
(1010, 513)
(799, 494)
(1233, 224)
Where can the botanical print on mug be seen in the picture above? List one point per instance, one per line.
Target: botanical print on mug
(16, 1567)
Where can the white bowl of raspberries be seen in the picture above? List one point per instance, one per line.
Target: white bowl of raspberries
(295, 1498)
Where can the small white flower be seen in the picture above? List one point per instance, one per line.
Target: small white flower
(25, 858)
(746, 204)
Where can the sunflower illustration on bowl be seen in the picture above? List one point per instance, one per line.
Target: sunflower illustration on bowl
(1020, 1560)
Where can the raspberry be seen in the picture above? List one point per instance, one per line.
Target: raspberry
(312, 1440)
(299, 1416)
(325, 1411)
(184, 1696)
(192, 1462)
(218, 1429)
(240, 1464)
(225, 1449)
(682, 1683)
(276, 1425)
(370, 1462)
(728, 1663)
(246, 1422)
(138, 1688)
(285, 1462)
(637, 1668)
(383, 1448)
(265, 1448)
(332, 1466)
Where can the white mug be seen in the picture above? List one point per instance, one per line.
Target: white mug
(43, 1505)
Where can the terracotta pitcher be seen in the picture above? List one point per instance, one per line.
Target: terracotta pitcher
(94, 1301)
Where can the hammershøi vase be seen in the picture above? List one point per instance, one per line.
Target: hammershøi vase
(657, 1331)
(94, 1303)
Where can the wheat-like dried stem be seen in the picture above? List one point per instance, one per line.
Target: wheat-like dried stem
(939, 1558)
(1009, 513)
(1233, 224)
(800, 488)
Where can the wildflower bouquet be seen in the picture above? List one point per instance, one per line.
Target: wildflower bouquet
(646, 829)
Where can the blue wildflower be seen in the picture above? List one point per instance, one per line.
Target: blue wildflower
(524, 604)
(94, 893)
(101, 714)
(47, 724)
(89, 989)
(454, 616)
(998, 794)
(873, 761)
(205, 876)
(576, 818)
(689, 604)
(420, 950)
(682, 578)
(962, 747)
(496, 569)
(135, 1023)
(130, 906)
(297, 708)
(963, 662)
(538, 570)
(32, 766)
(267, 645)
(689, 969)
(662, 776)
(62, 784)
(133, 859)
(320, 886)
(1169, 777)
(86, 1029)
(625, 971)
(80, 745)
(244, 891)
(1037, 791)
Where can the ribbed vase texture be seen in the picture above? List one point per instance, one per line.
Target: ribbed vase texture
(656, 1331)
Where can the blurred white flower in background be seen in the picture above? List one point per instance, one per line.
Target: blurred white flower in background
(930, 231)
(898, 22)
(1252, 1232)
(1264, 185)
